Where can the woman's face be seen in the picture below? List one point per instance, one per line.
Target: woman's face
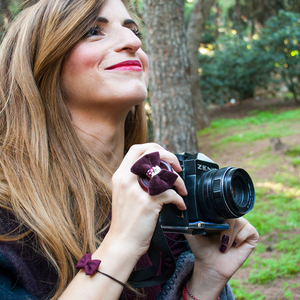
(107, 69)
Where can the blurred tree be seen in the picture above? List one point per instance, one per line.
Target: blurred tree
(280, 39)
(169, 85)
(9, 8)
(5, 12)
(196, 28)
(250, 15)
(234, 71)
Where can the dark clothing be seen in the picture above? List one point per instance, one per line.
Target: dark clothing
(25, 274)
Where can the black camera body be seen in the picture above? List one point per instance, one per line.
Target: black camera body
(214, 195)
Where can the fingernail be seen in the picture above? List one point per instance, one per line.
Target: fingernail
(234, 244)
(225, 239)
(223, 248)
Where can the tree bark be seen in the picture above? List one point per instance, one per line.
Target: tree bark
(5, 12)
(237, 18)
(195, 29)
(169, 86)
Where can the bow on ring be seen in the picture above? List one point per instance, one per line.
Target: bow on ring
(90, 266)
(150, 166)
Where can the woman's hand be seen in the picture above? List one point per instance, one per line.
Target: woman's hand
(217, 258)
(134, 212)
(134, 217)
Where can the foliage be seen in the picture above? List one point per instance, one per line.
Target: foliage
(236, 67)
(234, 71)
(280, 39)
(247, 16)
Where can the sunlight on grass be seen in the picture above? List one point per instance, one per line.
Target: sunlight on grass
(270, 125)
(266, 158)
(279, 187)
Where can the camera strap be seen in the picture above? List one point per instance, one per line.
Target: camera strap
(147, 277)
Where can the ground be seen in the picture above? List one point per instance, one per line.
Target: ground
(240, 156)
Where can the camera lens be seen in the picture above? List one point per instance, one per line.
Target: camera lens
(225, 194)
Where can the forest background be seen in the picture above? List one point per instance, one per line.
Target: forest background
(225, 79)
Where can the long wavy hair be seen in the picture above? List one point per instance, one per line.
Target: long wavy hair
(52, 183)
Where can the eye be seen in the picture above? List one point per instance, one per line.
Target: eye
(137, 32)
(94, 31)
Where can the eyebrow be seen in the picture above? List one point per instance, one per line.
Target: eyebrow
(126, 22)
(102, 20)
(129, 22)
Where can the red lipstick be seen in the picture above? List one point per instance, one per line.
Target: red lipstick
(129, 65)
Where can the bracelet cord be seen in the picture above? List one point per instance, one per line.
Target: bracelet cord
(186, 288)
(114, 279)
(183, 293)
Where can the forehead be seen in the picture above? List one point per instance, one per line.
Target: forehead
(114, 9)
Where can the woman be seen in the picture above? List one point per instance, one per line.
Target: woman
(73, 82)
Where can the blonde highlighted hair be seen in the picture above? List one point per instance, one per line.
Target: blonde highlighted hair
(53, 184)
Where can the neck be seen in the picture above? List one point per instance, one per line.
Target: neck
(106, 133)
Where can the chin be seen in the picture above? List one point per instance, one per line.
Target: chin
(138, 95)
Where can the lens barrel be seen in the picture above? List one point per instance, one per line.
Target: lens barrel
(225, 194)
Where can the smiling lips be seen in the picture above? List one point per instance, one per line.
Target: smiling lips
(129, 65)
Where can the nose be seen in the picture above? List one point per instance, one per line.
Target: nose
(128, 41)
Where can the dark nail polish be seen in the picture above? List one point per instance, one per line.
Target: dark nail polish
(223, 248)
(225, 239)
(234, 244)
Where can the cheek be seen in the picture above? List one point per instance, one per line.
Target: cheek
(145, 62)
(81, 60)
(79, 65)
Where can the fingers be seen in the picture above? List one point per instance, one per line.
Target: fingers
(241, 231)
(134, 154)
(248, 234)
(170, 196)
(227, 237)
(136, 151)
(180, 186)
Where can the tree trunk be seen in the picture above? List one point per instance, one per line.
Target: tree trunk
(169, 86)
(237, 18)
(5, 12)
(196, 27)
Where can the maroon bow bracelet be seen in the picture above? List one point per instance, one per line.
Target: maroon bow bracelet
(155, 175)
(90, 266)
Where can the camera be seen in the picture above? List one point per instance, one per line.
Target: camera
(214, 195)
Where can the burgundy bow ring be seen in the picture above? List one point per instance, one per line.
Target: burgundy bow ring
(155, 175)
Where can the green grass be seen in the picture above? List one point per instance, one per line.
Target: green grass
(263, 160)
(242, 294)
(257, 126)
(267, 270)
(276, 214)
(255, 117)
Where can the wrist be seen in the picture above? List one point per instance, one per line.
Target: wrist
(186, 291)
(205, 283)
(116, 258)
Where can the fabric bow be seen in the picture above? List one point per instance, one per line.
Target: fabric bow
(90, 266)
(150, 166)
